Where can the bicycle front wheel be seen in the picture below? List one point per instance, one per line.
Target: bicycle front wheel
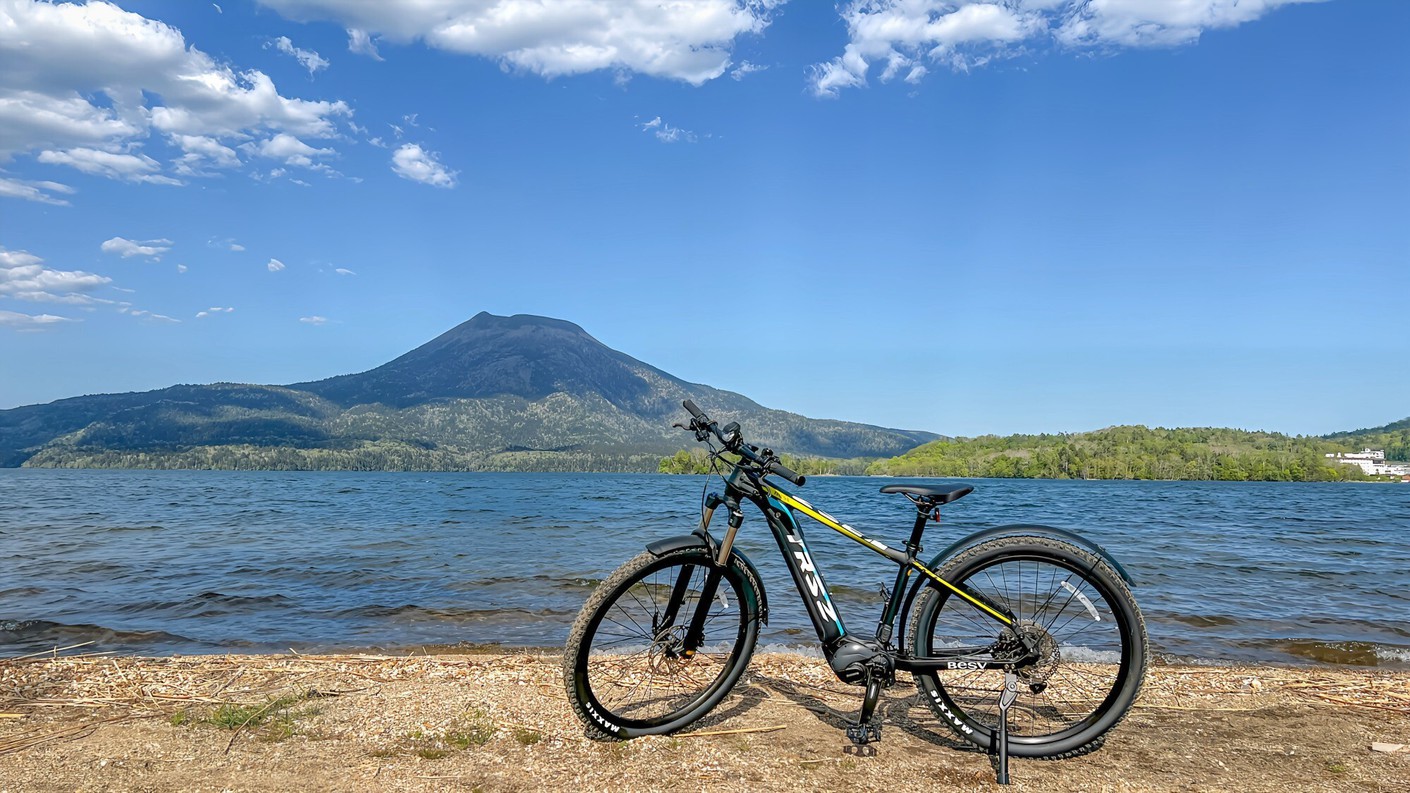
(628, 666)
(1078, 614)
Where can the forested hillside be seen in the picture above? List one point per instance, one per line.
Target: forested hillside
(1136, 452)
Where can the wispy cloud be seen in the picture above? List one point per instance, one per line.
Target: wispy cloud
(40, 192)
(307, 58)
(147, 315)
(19, 321)
(361, 43)
(744, 69)
(275, 265)
(152, 249)
(410, 161)
(314, 320)
(906, 37)
(113, 165)
(666, 133)
(213, 311)
(343, 271)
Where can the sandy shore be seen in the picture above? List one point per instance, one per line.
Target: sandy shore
(500, 722)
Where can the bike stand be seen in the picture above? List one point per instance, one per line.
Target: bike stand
(1001, 745)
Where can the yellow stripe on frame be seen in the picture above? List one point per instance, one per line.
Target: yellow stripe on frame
(823, 518)
(961, 593)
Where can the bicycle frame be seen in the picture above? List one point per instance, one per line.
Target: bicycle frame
(778, 507)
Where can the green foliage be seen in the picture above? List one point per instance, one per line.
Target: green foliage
(1133, 452)
(1394, 438)
(473, 728)
(275, 720)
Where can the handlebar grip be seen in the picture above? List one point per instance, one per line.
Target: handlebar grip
(787, 473)
(694, 411)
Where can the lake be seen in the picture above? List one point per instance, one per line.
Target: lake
(161, 562)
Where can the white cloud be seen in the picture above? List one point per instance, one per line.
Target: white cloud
(343, 271)
(213, 310)
(202, 152)
(88, 84)
(307, 58)
(180, 268)
(39, 192)
(14, 319)
(415, 163)
(144, 314)
(24, 276)
(290, 150)
(666, 133)
(127, 248)
(314, 320)
(227, 243)
(1156, 23)
(688, 40)
(903, 36)
(275, 265)
(361, 43)
(113, 165)
(744, 69)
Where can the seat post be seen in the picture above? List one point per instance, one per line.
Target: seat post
(922, 517)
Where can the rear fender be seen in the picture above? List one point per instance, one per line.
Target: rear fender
(700, 540)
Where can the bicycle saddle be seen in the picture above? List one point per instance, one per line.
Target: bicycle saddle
(943, 494)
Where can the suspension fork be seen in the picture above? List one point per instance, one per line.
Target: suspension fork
(695, 633)
(695, 636)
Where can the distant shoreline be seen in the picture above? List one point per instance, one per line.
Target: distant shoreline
(1373, 481)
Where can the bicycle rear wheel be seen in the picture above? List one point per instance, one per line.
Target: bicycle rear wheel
(626, 667)
(1072, 607)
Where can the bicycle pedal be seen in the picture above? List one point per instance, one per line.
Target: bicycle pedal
(863, 734)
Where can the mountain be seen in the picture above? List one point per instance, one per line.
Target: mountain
(494, 393)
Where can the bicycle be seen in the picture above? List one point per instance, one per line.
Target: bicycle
(1024, 618)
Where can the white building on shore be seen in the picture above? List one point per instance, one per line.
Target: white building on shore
(1372, 462)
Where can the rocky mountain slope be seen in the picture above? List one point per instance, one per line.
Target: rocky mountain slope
(494, 393)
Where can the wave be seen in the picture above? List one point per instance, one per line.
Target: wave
(411, 612)
(1342, 653)
(39, 635)
(210, 604)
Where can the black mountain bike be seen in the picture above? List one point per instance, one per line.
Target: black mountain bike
(1024, 639)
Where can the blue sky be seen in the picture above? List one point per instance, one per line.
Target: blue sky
(1033, 215)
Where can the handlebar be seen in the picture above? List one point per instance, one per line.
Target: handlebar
(701, 425)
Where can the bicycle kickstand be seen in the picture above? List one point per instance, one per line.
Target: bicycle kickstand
(1006, 699)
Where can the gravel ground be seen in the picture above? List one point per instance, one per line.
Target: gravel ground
(501, 722)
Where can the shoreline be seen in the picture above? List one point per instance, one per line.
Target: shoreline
(501, 721)
(1385, 480)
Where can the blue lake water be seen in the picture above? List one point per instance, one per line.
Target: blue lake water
(212, 561)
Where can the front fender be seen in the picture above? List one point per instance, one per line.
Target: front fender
(701, 540)
(1014, 530)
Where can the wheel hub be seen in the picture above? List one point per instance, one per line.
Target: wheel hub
(1037, 671)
